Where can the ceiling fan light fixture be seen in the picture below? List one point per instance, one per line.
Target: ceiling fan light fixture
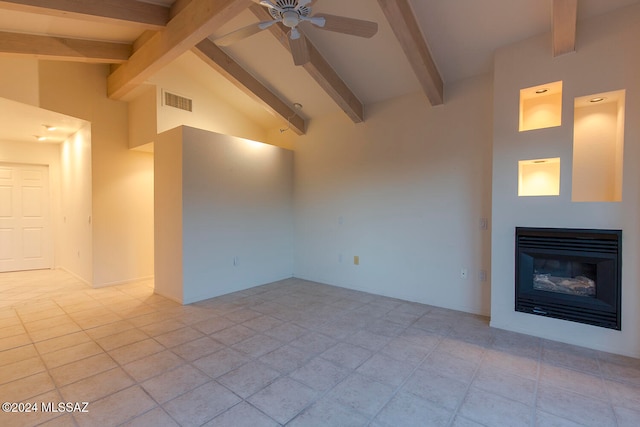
(290, 19)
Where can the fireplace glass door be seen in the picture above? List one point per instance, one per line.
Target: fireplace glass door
(569, 274)
(565, 277)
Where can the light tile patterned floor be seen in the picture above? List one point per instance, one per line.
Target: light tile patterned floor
(291, 352)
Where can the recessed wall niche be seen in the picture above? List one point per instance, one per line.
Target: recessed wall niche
(539, 177)
(541, 106)
(598, 147)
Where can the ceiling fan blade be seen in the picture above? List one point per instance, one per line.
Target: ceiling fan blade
(242, 33)
(270, 5)
(351, 26)
(299, 50)
(318, 21)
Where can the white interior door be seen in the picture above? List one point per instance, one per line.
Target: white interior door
(25, 230)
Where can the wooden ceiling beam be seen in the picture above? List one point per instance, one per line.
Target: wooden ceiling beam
(319, 69)
(59, 48)
(195, 22)
(147, 15)
(407, 31)
(565, 16)
(177, 7)
(232, 71)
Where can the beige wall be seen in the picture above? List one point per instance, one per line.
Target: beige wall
(19, 80)
(606, 60)
(75, 240)
(404, 191)
(286, 139)
(168, 219)
(224, 212)
(122, 187)
(209, 113)
(143, 116)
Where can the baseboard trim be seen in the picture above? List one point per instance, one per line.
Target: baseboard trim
(122, 282)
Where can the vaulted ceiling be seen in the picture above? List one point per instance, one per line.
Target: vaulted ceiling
(419, 45)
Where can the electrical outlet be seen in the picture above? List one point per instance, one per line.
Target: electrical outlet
(483, 275)
(484, 224)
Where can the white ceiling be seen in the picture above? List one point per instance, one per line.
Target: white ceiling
(462, 36)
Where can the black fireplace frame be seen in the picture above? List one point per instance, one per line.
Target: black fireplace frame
(600, 247)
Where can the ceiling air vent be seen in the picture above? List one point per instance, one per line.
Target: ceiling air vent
(177, 101)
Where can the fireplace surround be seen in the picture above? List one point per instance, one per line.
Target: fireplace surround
(569, 274)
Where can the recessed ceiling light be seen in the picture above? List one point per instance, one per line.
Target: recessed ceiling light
(598, 99)
(543, 90)
(49, 128)
(40, 138)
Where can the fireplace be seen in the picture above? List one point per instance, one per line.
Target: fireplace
(569, 274)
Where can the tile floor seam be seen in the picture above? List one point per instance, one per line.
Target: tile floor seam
(606, 398)
(161, 404)
(372, 418)
(144, 413)
(118, 365)
(261, 411)
(245, 399)
(140, 358)
(128, 420)
(570, 419)
(301, 411)
(534, 409)
(321, 395)
(542, 363)
(456, 410)
(58, 386)
(46, 369)
(607, 389)
(399, 387)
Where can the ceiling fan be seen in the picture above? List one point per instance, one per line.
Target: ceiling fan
(291, 13)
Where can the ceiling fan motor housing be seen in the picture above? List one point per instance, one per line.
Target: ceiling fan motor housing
(288, 13)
